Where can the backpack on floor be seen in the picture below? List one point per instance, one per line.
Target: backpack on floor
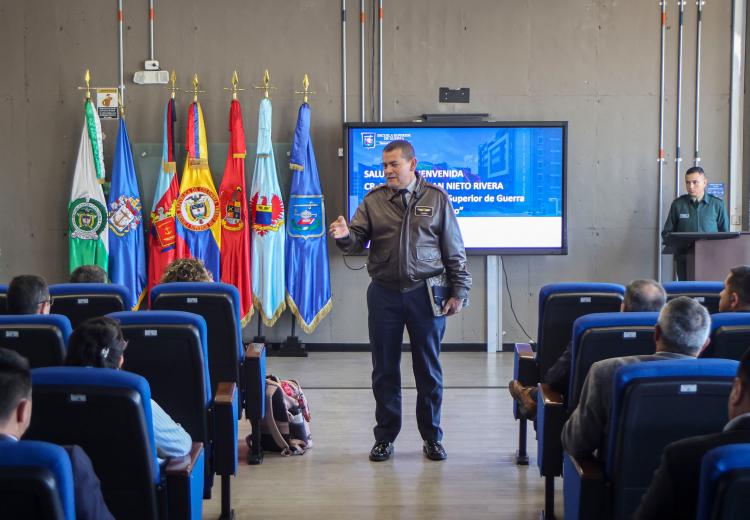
(285, 426)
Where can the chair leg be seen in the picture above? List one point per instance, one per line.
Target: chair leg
(227, 513)
(522, 458)
(549, 499)
(255, 456)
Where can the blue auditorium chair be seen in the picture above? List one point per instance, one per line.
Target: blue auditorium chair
(36, 481)
(169, 349)
(730, 335)
(654, 404)
(219, 304)
(560, 304)
(595, 337)
(725, 483)
(81, 301)
(40, 338)
(108, 413)
(3, 299)
(705, 293)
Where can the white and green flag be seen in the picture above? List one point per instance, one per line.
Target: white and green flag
(87, 211)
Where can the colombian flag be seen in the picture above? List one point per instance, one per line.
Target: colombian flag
(198, 214)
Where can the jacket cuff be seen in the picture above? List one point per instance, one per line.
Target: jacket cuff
(460, 293)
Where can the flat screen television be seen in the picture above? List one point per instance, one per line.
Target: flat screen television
(506, 180)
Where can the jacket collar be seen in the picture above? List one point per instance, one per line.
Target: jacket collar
(741, 422)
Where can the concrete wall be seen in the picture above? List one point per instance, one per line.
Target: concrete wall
(592, 63)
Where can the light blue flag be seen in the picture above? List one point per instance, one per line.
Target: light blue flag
(268, 232)
(127, 258)
(308, 279)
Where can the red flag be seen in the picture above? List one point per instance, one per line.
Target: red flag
(235, 238)
(162, 236)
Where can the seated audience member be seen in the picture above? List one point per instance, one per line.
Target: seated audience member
(28, 294)
(89, 274)
(186, 270)
(640, 296)
(674, 489)
(681, 332)
(98, 342)
(15, 416)
(735, 297)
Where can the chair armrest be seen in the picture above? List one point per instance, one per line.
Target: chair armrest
(225, 429)
(550, 418)
(584, 489)
(255, 381)
(525, 369)
(185, 484)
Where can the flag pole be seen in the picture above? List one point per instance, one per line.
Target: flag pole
(678, 152)
(660, 160)
(697, 160)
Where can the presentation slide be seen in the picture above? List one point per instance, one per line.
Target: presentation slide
(505, 182)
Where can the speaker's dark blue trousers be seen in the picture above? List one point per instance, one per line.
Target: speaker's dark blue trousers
(389, 311)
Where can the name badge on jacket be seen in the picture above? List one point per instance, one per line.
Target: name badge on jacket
(684, 215)
(422, 211)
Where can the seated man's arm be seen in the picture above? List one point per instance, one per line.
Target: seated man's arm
(170, 438)
(87, 489)
(584, 431)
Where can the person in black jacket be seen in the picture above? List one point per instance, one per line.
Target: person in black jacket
(673, 492)
(15, 417)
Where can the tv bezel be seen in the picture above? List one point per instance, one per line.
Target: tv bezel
(496, 251)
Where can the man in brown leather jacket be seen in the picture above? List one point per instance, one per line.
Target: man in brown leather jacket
(413, 235)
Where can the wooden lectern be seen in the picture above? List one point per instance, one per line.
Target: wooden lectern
(710, 256)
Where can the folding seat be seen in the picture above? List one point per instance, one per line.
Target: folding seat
(40, 338)
(730, 335)
(36, 481)
(81, 301)
(595, 337)
(705, 293)
(219, 304)
(654, 403)
(725, 483)
(108, 413)
(3, 299)
(560, 304)
(169, 349)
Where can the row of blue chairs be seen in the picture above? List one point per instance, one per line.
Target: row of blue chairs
(586, 312)
(194, 362)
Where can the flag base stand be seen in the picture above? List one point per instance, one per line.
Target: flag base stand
(292, 348)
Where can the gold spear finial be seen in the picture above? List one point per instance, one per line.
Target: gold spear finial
(235, 82)
(305, 89)
(266, 88)
(173, 80)
(195, 90)
(87, 88)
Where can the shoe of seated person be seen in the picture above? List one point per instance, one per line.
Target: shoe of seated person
(522, 395)
(434, 450)
(381, 451)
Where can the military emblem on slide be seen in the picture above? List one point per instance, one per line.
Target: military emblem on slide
(87, 219)
(306, 216)
(233, 212)
(124, 215)
(266, 215)
(197, 209)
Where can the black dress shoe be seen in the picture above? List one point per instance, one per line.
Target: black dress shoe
(381, 451)
(433, 450)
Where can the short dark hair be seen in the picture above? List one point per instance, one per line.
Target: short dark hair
(97, 342)
(695, 169)
(684, 325)
(89, 274)
(25, 293)
(186, 270)
(739, 283)
(743, 370)
(15, 382)
(407, 150)
(644, 296)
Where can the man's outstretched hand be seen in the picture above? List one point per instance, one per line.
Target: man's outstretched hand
(338, 228)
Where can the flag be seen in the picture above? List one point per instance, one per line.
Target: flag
(267, 220)
(308, 279)
(235, 237)
(127, 257)
(87, 210)
(162, 235)
(198, 225)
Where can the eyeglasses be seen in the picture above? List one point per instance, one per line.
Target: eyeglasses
(49, 300)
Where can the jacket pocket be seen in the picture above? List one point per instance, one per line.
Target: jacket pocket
(427, 253)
